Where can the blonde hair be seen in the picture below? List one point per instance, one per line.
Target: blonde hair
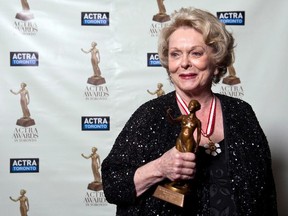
(214, 33)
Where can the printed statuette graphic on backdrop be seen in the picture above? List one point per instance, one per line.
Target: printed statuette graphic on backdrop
(161, 16)
(24, 202)
(96, 184)
(159, 91)
(231, 79)
(96, 79)
(25, 14)
(26, 120)
(175, 191)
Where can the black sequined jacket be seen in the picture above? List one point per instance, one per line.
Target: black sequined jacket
(148, 134)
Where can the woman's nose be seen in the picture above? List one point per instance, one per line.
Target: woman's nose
(186, 62)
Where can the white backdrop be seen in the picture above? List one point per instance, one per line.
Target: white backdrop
(57, 88)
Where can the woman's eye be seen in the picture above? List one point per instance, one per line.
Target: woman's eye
(196, 54)
(174, 54)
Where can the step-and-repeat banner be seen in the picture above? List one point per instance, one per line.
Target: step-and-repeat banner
(72, 73)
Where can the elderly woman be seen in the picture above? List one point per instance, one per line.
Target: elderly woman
(233, 163)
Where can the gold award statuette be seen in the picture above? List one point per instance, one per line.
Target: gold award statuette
(231, 79)
(24, 202)
(96, 184)
(26, 120)
(161, 16)
(25, 14)
(159, 92)
(174, 192)
(96, 78)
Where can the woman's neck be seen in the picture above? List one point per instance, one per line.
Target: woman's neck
(204, 98)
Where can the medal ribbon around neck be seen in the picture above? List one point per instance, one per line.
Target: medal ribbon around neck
(211, 148)
(212, 114)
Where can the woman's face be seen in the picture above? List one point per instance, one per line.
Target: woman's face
(189, 61)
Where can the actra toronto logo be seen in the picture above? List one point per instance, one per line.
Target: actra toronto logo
(95, 18)
(24, 59)
(24, 165)
(98, 123)
(153, 60)
(232, 17)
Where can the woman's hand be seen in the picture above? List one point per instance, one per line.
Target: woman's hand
(173, 165)
(176, 165)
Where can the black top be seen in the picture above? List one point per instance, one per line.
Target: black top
(221, 196)
(147, 135)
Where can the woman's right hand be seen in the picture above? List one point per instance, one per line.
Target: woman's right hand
(173, 164)
(176, 165)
